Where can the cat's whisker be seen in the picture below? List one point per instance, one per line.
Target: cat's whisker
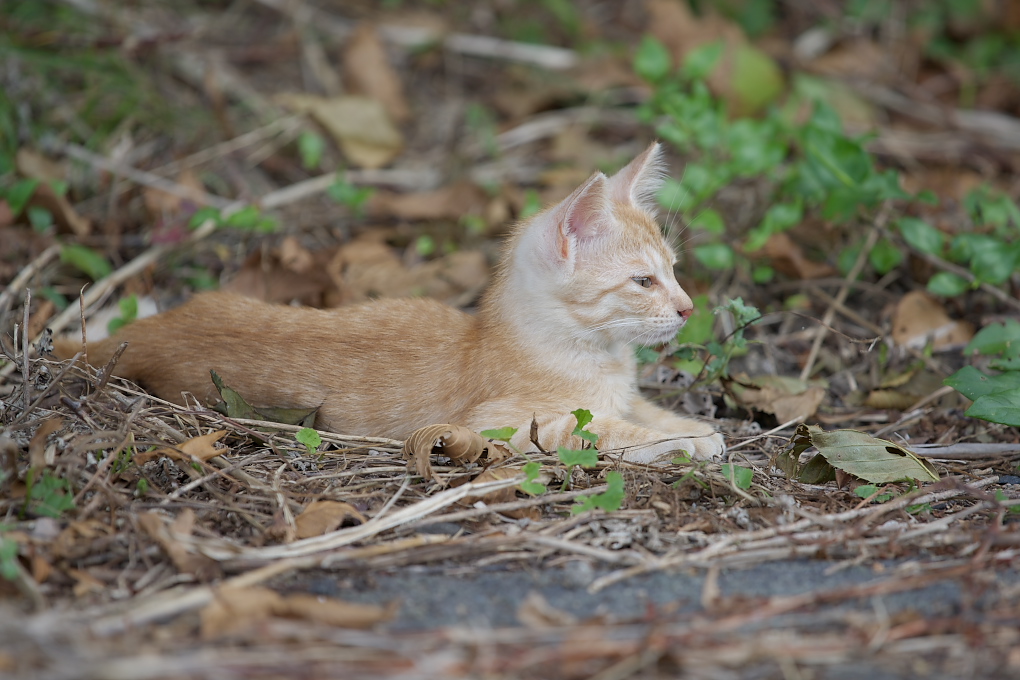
(615, 323)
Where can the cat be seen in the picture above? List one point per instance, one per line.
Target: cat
(579, 286)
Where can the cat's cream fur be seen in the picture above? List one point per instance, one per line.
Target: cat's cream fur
(555, 332)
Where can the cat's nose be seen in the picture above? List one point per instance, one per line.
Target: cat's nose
(685, 313)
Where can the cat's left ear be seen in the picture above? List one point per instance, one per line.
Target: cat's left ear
(638, 182)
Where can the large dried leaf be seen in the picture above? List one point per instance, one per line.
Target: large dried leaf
(787, 257)
(457, 443)
(878, 461)
(172, 539)
(321, 517)
(920, 319)
(367, 71)
(235, 406)
(361, 126)
(48, 172)
(37, 456)
(788, 398)
(234, 610)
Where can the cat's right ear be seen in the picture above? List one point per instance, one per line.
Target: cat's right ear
(581, 217)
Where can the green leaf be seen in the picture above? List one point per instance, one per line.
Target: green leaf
(866, 490)
(310, 438)
(86, 260)
(41, 219)
(652, 62)
(973, 384)
(1000, 407)
(874, 460)
(738, 475)
(584, 417)
(996, 338)
(51, 496)
(701, 61)
(9, 558)
(762, 274)
(921, 236)
(609, 500)
(532, 204)
(202, 215)
(503, 434)
(311, 147)
(756, 79)
(586, 458)
(885, 256)
(709, 220)
(947, 284)
(530, 486)
(715, 255)
(19, 194)
(128, 313)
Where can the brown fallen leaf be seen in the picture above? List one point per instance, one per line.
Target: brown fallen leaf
(459, 444)
(450, 202)
(171, 538)
(361, 126)
(233, 610)
(920, 319)
(203, 447)
(36, 166)
(787, 257)
(162, 205)
(286, 274)
(37, 458)
(321, 517)
(85, 583)
(536, 613)
(787, 398)
(367, 71)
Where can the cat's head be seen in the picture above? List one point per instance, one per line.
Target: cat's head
(602, 257)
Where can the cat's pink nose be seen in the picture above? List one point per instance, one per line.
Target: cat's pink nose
(685, 313)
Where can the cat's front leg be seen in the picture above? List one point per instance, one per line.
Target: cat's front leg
(636, 443)
(706, 443)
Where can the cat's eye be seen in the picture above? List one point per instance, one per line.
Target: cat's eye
(643, 281)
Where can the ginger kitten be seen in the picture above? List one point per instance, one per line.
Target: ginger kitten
(579, 286)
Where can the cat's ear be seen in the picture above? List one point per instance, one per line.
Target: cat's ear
(582, 216)
(638, 182)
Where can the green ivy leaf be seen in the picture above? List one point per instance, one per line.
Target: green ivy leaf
(739, 475)
(530, 486)
(701, 61)
(947, 284)
(709, 220)
(19, 194)
(309, 437)
(586, 458)
(584, 417)
(652, 61)
(86, 260)
(502, 434)
(973, 384)
(996, 338)
(885, 256)
(609, 500)
(921, 235)
(718, 256)
(311, 146)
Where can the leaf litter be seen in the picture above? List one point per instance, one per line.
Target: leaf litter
(144, 523)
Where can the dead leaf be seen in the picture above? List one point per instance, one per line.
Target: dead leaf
(536, 613)
(367, 71)
(85, 583)
(332, 612)
(450, 202)
(321, 517)
(203, 447)
(878, 461)
(234, 610)
(37, 456)
(65, 217)
(172, 536)
(37, 324)
(920, 319)
(285, 274)
(162, 205)
(787, 257)
(361, 126)
(459, 444)
(788, 398)
(500, 496)
(36, 166)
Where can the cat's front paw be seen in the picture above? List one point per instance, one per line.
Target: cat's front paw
(710, 447)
